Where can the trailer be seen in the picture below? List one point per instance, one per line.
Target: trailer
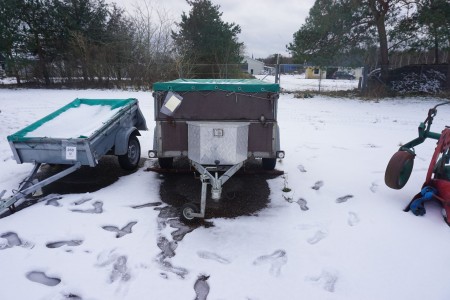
(218, 124)
(78, 134)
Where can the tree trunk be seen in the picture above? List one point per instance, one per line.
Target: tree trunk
(12, 64)
(379, 13)
(42, 63)
(436, 46)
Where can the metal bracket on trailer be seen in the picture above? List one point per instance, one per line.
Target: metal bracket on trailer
(28, 187)
(216, 184)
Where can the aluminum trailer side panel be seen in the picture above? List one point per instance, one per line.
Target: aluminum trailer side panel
(172, 139)
(86, 150)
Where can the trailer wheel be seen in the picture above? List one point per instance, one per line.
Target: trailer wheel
(399, 169)
(269, 163)
(130, 160)
(186, 212)
(165, 162)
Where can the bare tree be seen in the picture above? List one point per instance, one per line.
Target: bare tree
(153, 55)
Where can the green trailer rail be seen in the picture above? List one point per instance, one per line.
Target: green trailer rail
(78, 134)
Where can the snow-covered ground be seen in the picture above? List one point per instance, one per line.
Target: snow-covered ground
(293, 83)
(344, 236)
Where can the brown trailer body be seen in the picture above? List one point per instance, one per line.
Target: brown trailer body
(251, 101)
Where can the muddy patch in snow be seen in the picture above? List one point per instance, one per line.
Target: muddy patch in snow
(86, 179)
(241, 194)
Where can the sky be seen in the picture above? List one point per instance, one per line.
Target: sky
(266, 26)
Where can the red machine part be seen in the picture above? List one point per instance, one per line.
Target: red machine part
(440, 181)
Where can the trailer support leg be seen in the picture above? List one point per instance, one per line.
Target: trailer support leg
(216, 184)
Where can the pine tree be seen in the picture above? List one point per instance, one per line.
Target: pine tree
(204, 39)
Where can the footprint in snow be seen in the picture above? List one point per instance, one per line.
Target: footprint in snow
(64, 243)
(371, 146)
(276, 261)
(317, 185)
(301, 168)
(119, 265)
(51, 199)
(120, 232)
(374, 187)
(168, 267)
(42, 278)
(12, 239)
(327, 279)
(303, 204)
(71, 296)
(353, 219)
(165, 213)
(201, 287)
(98, 208)
(82, 200)
(53, 202)
(317, 237)
(120, 270)
(212, 256)
(343, 198)
(167, 247)
(182, 229)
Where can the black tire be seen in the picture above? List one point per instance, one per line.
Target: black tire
(130, 160)
(399, 169)
(186, 212)
(269, 163)
(165, 162)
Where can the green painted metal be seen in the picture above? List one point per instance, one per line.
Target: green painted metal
(424, 133)
(406, 172)
(229, 85)
(113, 103)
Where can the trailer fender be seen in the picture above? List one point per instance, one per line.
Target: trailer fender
(121, 140)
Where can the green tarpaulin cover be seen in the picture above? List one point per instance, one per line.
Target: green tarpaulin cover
(20, 136)
(229, 85)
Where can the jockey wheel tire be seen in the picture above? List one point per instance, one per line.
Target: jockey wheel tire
(186, 212)
(399, 169)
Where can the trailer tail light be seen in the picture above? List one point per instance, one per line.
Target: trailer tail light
(280, 154)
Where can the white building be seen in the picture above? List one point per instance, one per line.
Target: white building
(254, 67)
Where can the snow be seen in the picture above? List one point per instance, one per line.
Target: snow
(292, 83)
(69, 123)
(344, 235)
